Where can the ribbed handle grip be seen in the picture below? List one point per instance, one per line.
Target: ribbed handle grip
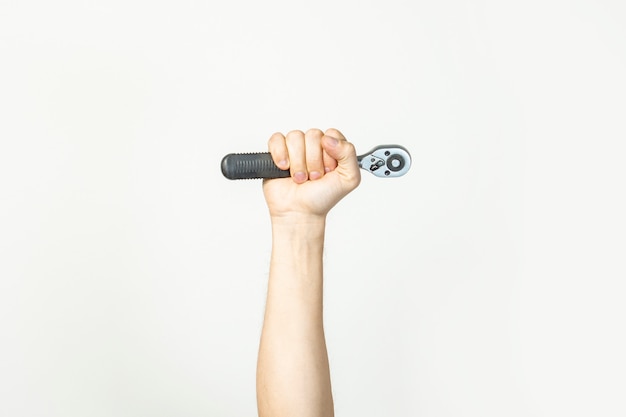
(241, 166)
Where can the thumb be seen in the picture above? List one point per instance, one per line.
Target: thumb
(344, 153)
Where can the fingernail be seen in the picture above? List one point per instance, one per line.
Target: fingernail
(299, 176)
(314, 175)
(326, 169)
(282, 163)
(333, 141)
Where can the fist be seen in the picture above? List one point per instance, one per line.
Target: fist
(323, 168)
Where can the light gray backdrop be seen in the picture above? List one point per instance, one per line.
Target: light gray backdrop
(487, 282)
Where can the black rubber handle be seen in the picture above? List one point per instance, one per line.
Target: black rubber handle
(243, 166)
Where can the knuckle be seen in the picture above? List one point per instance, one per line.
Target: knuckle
(275, 139)
(314, 157)
(314, 133)
(315, 164)
(334, 133)
(295, 135)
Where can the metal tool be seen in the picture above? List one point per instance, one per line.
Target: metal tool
(385, 161)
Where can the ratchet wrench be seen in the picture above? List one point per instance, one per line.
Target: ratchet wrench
(385, 161)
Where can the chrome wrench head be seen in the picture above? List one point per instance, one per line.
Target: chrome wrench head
(386, 161)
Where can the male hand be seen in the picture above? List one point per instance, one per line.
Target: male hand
(323, 167)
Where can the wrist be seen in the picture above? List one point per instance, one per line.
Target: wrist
(298, 220)
(298, 245)
(298, 227)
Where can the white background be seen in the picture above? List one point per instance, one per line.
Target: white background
(489, 281)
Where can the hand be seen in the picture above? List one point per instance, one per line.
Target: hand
(323, 167)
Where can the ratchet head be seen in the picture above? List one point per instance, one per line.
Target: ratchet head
(386, 161)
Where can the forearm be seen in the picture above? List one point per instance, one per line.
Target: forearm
(293, 377)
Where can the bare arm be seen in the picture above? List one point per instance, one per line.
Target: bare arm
(293, 377)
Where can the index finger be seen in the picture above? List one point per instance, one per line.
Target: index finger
(329, 162)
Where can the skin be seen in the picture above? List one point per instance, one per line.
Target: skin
(293, 376)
